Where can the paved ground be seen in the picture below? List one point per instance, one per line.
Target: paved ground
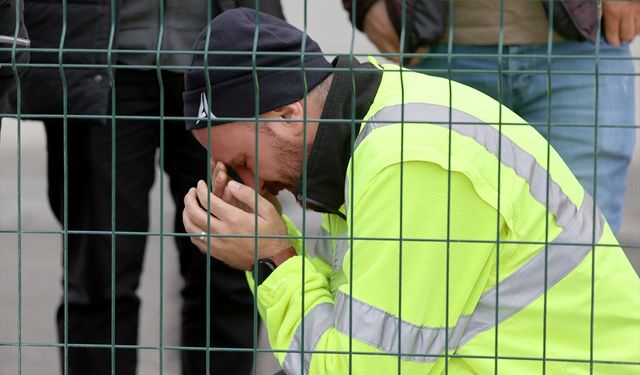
(39, 268)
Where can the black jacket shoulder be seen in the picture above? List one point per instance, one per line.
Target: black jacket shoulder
(91, 27)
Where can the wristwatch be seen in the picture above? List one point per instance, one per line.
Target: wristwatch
(267, 265)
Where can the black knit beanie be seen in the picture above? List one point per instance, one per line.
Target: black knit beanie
(231, 73)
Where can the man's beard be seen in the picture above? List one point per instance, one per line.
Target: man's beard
(289, 155)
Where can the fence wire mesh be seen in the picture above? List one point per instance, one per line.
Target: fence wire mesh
(32, 262)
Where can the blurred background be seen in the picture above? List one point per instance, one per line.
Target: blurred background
(32, 281)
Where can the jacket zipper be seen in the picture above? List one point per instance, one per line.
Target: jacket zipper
(318, 206)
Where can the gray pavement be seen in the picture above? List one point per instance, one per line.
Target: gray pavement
(30, 271)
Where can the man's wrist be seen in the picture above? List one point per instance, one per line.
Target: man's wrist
(281, 257)
(268, 265)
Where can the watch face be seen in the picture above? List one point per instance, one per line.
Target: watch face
(263, 270)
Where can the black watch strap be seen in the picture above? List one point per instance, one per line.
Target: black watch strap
(263, 270)
(267, 265)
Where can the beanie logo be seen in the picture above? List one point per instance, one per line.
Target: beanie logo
(203, 111)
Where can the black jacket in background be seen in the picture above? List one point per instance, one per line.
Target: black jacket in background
(88, 27)
(7, 78)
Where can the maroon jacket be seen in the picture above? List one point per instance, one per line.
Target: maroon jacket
(426, 19)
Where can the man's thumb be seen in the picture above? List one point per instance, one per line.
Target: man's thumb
(243, 193)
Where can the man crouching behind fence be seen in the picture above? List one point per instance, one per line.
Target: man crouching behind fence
(457, 238)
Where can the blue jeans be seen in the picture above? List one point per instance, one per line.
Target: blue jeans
(562, 105)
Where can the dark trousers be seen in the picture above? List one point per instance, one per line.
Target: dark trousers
(90, 271)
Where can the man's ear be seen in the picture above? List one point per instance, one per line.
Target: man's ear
(293, 112)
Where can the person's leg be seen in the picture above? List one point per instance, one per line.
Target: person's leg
(568, 117)
(88, 303)
(230, 301)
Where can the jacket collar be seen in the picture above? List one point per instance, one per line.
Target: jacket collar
(339, 125)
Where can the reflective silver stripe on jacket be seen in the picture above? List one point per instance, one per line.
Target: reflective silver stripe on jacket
(315, 323)
(526, 284)
(342, 245)
(422, 344)
(324, 250)
(511, 155)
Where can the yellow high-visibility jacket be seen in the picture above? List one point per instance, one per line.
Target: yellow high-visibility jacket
(468, 245)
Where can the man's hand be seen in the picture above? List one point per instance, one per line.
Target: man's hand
(621, 21)
(220, 178)
(379, 29)
(228, 220)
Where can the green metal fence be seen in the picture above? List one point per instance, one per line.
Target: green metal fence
(29, 235)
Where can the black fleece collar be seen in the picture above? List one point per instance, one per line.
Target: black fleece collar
(329, 157)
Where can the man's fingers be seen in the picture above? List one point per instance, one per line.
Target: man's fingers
(204, 196)
(191, 199)
(417, 59)
(627, 28)
(227, 196)
(225, 211)
(247, 195)
(219, 178)
(197, 215)
(611, 15)
(243, 194)
(612, 31)
(620, 19)
(191, 228)
(218, 183)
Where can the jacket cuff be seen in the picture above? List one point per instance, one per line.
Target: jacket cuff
(286, 281)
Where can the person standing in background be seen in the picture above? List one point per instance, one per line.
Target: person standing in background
(580, 96)
(138, 42)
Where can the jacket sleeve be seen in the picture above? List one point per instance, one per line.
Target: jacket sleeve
(390, 283)
(8, 25)
(575, 19)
